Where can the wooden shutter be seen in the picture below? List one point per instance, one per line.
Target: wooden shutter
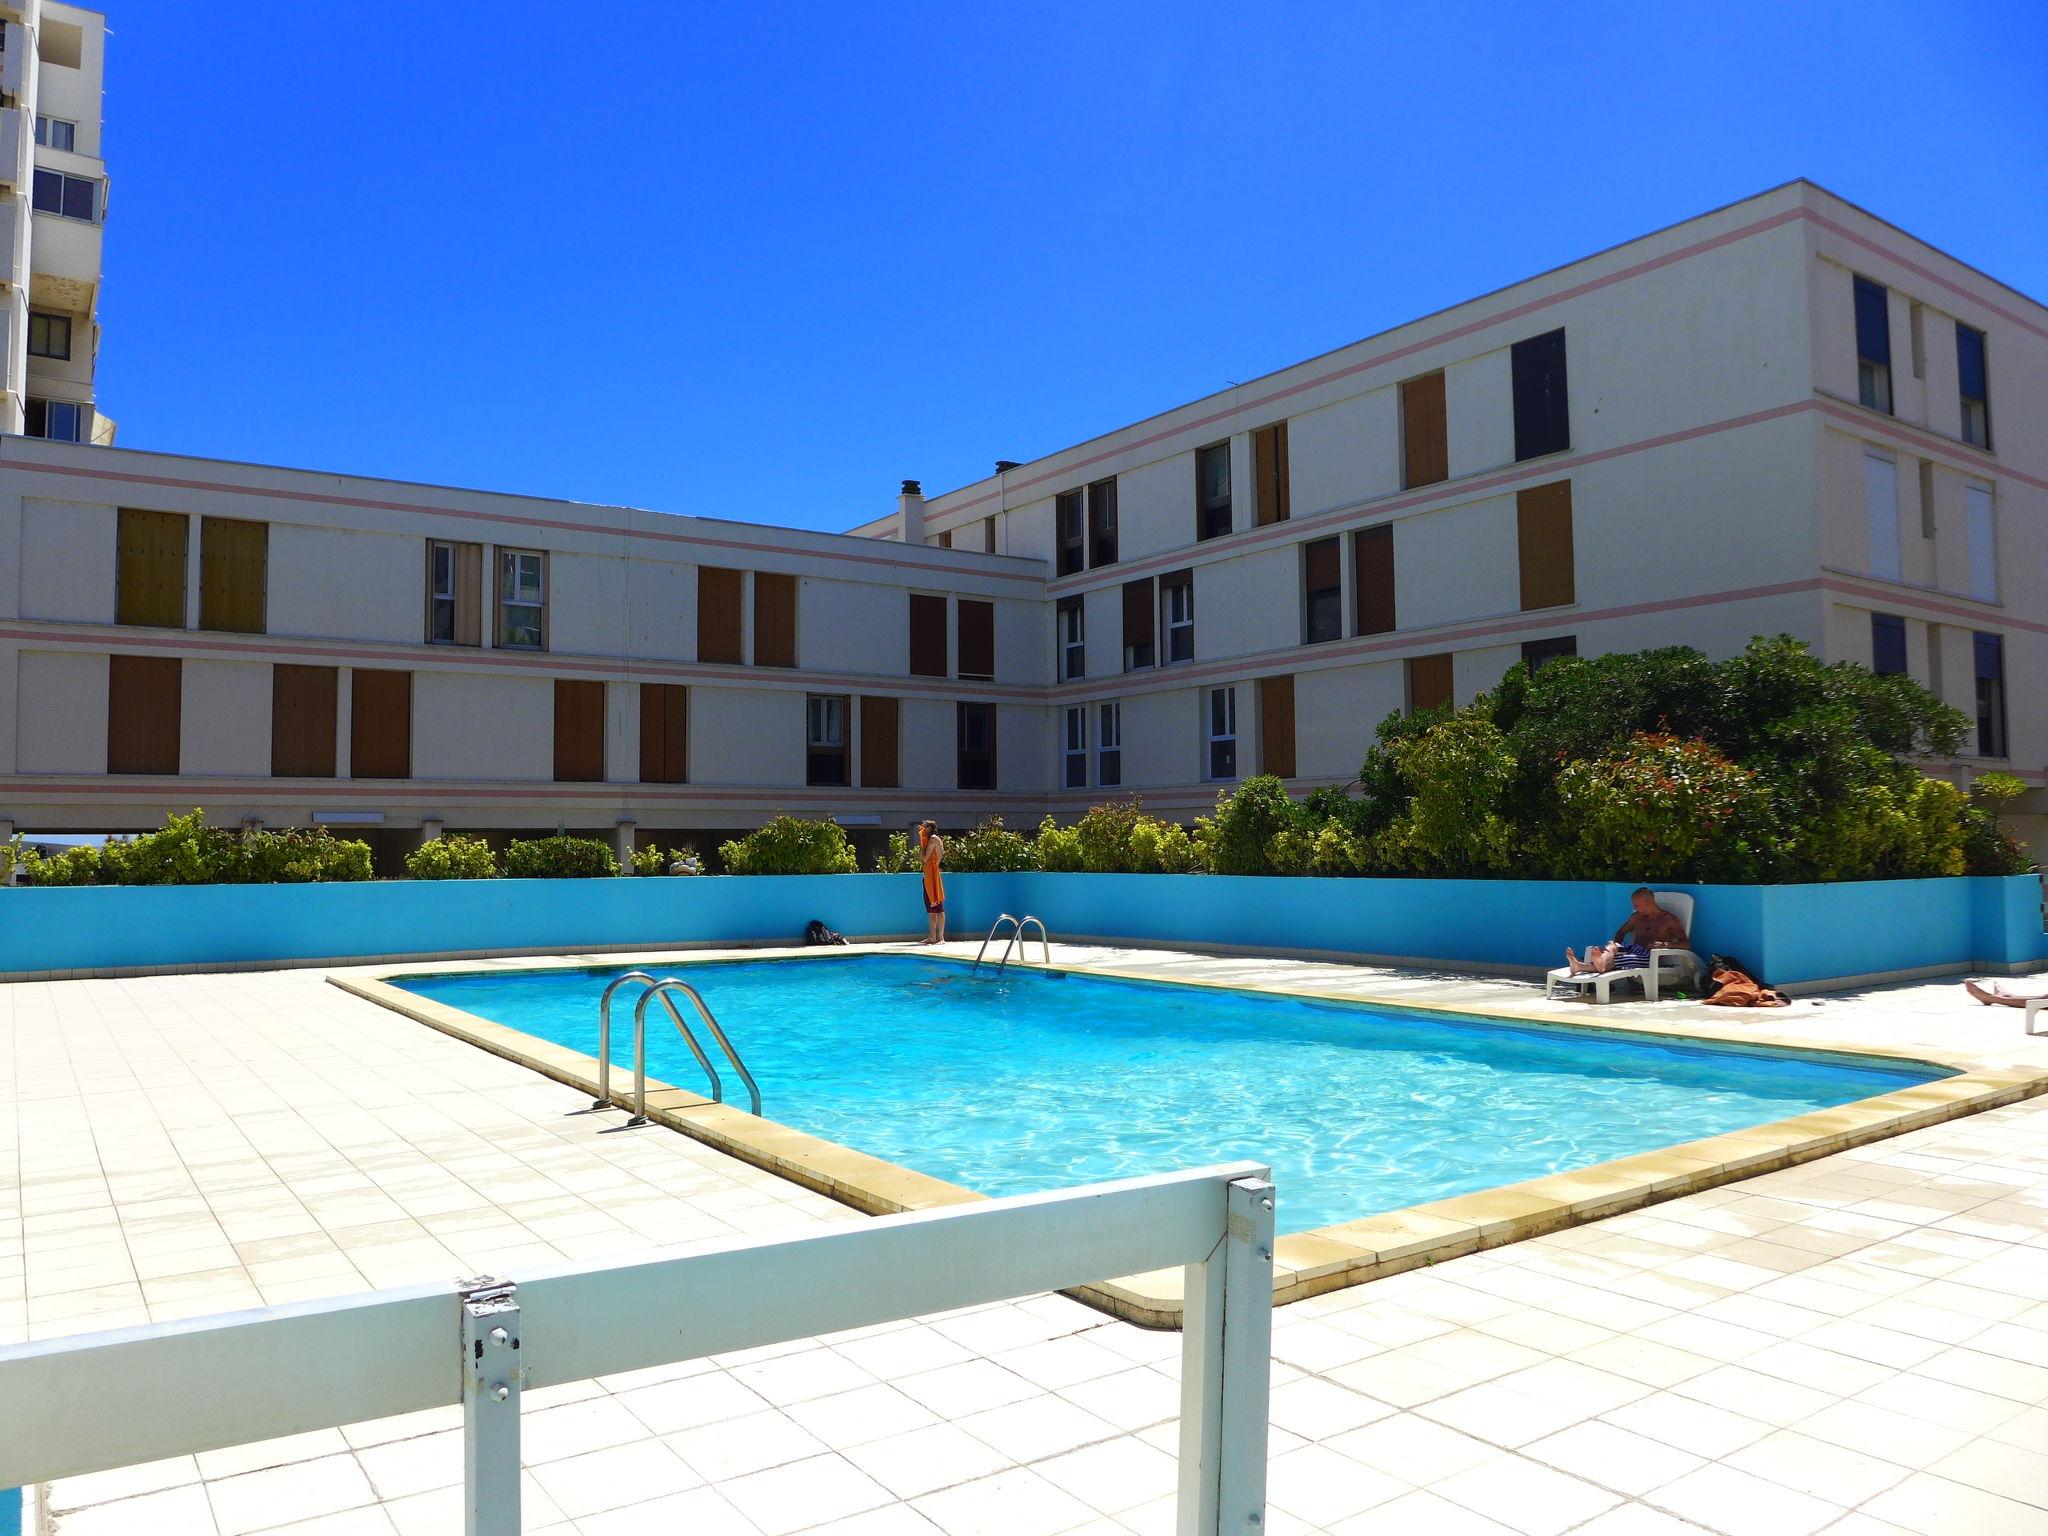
(878, 742)
(1429, 681)
(1269, 468)
(1276, 725)
(145, 697)
(664, 733)
(1373, 556)
(302, 721)
(718, 614)
(1323, 565)
(380, 722)
(1137, 616)
(151, 562)
(1543, 533)
(579, 731)
(977, 638)
(774, 619)
(232, 556)
(469, 598)
(927, 635)
(1425, 439)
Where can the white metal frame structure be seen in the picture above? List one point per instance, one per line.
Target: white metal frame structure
(99, 1401)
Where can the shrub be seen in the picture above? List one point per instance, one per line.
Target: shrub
(1238, 839)
(559, 858)
(899, 856)
(650, 860)
(452, 857)
(788, 845)
(990, 848)
(1661, 809)
(297, 855)
(1059, 848)
(185, 851)
(74, 866)
(1456, 776)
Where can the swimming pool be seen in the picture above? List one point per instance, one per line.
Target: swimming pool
(1046, 1078)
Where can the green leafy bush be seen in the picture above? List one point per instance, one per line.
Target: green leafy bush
(899, 856)
(1662, 808)
(452, 857)
(990, 848)
(1239, 838)
(186, 851)
(650, 860)
(789, 845)
(558, 858)
(1059, 848)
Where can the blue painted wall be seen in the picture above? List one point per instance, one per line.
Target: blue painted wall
(1797, 933)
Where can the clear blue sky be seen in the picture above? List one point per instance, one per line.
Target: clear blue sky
(763, 261)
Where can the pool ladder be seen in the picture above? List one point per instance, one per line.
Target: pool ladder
(663, 989)
(1016, 940)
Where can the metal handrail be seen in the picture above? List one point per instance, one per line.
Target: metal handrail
(989, 937)
(604, 1038)
(1023, 946)
(659, 989)
(668, 984)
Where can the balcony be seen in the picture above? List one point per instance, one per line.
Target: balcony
(15, 61)
(64, 262)
(17, 143)
(14, 222)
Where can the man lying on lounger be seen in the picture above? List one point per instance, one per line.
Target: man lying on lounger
(1648, 927)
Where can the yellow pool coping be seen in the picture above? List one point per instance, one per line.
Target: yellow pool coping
(1304, 1263)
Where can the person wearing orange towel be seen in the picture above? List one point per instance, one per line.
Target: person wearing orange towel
(934, 847)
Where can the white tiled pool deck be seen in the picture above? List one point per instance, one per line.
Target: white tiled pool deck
(1858, 1345)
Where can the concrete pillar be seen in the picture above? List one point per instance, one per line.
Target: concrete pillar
(910, 513)
(7, 874)
(622, 845)
(344, 721)
(430, 829)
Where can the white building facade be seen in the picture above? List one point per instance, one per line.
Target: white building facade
(1783, 416)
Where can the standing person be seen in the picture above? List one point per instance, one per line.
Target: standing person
(934, 847)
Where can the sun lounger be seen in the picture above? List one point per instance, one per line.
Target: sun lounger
(2034, 1006)
(1667, 966)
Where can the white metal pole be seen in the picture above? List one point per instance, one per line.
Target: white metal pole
(491, 1378)
(1226, 1353)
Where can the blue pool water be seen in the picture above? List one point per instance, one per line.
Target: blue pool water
(1041, 1079)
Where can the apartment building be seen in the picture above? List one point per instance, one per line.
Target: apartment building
(1783, 416)
(53, 204)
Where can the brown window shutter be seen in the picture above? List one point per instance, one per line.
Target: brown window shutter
(1276, 725)
(469, 597)
(664, 733)
(145, 699)
(380, 722)
(878, 742)
(774, 619)
(1324, 564)
(1137, 613)
(1373, 555)
(1543, 533)
(1425, 438)
(1269, 472)
(927, 635)
(302, 716)
(1429, 681)
(151, 563)
(977, 638)
(232, 558)
(718, 614)
(579, 731)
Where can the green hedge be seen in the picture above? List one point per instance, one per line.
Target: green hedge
(185, 851)
(452, 857)
(558, 858)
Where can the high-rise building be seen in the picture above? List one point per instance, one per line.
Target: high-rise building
(53, 205)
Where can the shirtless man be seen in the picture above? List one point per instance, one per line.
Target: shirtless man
(1647, 927)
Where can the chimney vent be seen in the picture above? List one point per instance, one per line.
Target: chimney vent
(1003, 464)
(912, 488)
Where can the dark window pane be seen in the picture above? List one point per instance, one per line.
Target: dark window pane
(1970, 361)
(80, 197)
(1887, 644)
(1222, 759)
(49, 193)
(1990, 657)
(1077, 771)
(1325, 616)
(1873, 326)
(1542, 408)
(1537, 652)
(1112, 770)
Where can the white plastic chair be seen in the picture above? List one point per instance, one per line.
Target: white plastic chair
(2034, 1006)
(1680, 965)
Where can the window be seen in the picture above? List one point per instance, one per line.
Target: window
(1881, 514)
(878, 741)
(1543, 536)
(69, 197)
(976, 621)
(1322, 576)
(1542, 408)
(1425, 439)
(824, 739)
(1072, 533)
(302, 721)
(1429, 682)
(150, 568)
(927, 635)
(988, 535)
(1983, 543)
(63, 421)
(1537, 653)
(579, 731)
(233, 559)
(664, 733)
(1109, 743)
(1990, 651)
(379, 724)
(1102, 523)
(977, 726)
(1212, 491)
(454, 593)
(720, 598)
(49, 336)
(1372, 559)
(1276, 726)
(522, 599)
(1971, 384)
(1873, 346)
(144, 710)
(1222, 704)
(1177, 605)
(56, 133)
(1074, 754)
(944, 538)
(774, 619)
(1269, 473)
(440, 593)
(1073, 647)
(1887, 644)
(1138, 651)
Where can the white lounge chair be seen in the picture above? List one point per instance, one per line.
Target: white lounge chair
(2034, 1006)
(1680, 965)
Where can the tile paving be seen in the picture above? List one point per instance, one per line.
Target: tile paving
(1858, 1345)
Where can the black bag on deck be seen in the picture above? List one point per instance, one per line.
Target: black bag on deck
(818, 933)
